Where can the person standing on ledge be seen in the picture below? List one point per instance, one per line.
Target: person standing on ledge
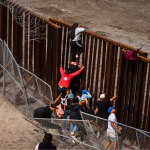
(75, 36)
(102, 105)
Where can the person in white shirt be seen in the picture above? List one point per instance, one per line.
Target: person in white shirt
(111, 130)
(75, 43)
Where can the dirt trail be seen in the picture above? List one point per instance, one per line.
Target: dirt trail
(127, 21)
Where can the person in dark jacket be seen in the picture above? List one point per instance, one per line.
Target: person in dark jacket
(75, 81)
(80, 125)
(47, 143)
(74, 106)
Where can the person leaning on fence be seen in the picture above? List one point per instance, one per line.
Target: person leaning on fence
(75, 35)
(102, 106)
(46, 112)
(66, 77)
(112, 128)
(46, 144)
(74, 106)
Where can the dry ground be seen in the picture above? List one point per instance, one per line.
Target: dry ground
(124, 21)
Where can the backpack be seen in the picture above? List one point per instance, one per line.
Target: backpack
(71, 34)
(131, 55)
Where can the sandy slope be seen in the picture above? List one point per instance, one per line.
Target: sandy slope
(15, 132)
(124, 21)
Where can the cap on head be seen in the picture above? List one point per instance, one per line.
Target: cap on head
(110, 109)
(84, 91)
(102, 96)
(54, 106)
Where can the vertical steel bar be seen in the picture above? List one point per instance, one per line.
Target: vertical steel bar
(10, 29)
(120, 84)
(90, 60)
(103, 66)
(4, 67)
(97, 73)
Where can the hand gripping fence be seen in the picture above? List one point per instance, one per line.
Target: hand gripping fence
(27, 92)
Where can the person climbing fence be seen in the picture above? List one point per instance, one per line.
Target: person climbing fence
(75, 35)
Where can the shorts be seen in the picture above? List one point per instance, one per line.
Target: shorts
(111, 135)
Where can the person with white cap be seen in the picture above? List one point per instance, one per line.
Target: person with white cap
(102, 105)
(112, 128)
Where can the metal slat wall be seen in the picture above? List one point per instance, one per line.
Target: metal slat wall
(109, 72)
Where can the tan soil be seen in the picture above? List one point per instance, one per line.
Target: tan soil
(124, 21)
(15, 132)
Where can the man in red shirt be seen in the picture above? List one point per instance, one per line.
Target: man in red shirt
(66, 77)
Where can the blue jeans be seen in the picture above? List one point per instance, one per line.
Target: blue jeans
(59, 88)
(65, 117)
(72, 127)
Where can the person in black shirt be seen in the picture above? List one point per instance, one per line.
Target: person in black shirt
(102, 105)
(47, 143)
(75, 81)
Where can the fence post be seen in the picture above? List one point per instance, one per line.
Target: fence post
(14, 78)
(24, 90)
(4, 67)
(137, 140)
(117, 138)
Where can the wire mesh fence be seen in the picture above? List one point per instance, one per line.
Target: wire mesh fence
(129, 138)
(24, 89)
(84, 138)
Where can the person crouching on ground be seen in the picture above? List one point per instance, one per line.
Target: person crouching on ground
(66, 77)
(112, 128)
(74, 106)
(47, 143)
(102, 105)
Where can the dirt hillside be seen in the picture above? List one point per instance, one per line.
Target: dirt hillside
(125, 21)
(15, 132)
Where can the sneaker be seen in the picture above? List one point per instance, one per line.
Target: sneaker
(74, 139)
(62, 140)
(64, 130)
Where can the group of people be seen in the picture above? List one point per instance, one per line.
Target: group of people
(75, 98)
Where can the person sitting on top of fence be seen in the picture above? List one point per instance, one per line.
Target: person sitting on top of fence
(102, 105)
(112, 128)
(75, 35)
(66, 77)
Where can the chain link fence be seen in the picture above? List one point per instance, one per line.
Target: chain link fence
(130, 138)
(22, 88)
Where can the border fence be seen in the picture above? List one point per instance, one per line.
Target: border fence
(27, 92)
(106, 70)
